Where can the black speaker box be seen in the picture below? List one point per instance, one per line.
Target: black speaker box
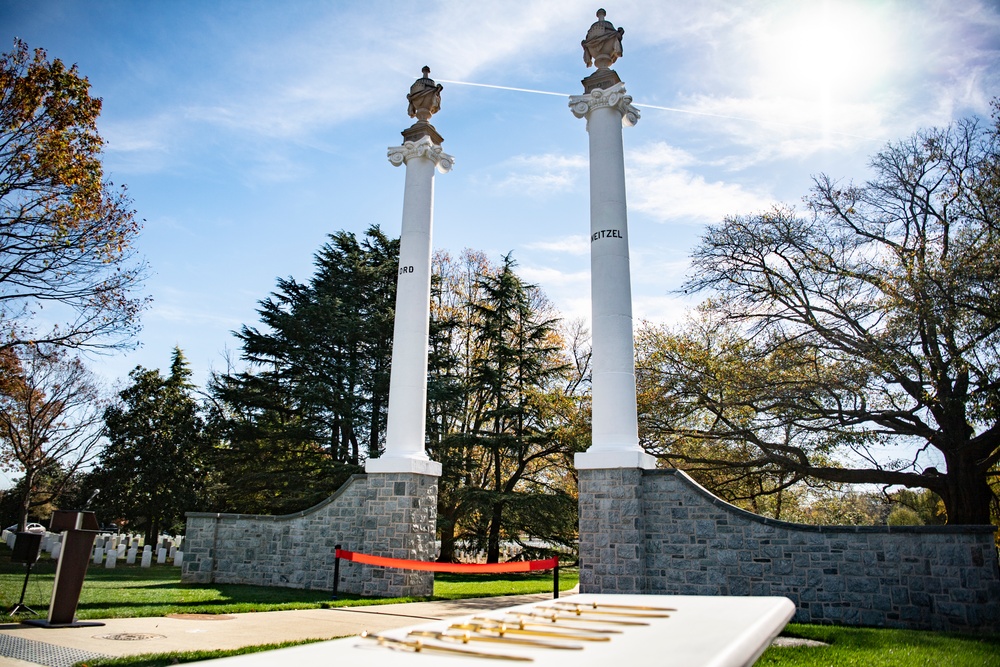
(26, 547)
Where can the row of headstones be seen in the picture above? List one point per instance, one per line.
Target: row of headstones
(466, 553)
(164, 550)
(110, 548)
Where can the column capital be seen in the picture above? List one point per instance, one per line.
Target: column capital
(424, 148)
(614, 97)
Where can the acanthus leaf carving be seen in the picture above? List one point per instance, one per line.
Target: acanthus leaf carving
(423, 148)
(614, 97)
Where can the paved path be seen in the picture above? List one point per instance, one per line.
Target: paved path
(27, 646)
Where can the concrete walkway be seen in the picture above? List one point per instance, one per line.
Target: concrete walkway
(27, 646)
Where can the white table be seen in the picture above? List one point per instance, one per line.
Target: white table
(703, 632)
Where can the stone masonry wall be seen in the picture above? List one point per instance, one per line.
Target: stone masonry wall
(612, 531)
(923, 577)
(386, 514)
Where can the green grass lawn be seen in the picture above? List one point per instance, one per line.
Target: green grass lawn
(130, 591)
(868, 647)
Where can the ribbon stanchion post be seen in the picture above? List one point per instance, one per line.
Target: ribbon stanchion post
(336, 572)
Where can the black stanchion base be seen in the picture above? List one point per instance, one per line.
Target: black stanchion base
(42, 623)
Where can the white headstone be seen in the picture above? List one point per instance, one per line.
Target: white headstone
(132, 551)
(56, 550)
(111, 560)
(161, 556)
(147, 558)
(178, 558)
(98, 555)
(173, 551)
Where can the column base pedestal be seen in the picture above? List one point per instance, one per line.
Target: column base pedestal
(398, 521)
(612, 531)
(404, 464)
(614, 459)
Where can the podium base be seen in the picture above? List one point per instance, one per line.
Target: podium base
(42, 623)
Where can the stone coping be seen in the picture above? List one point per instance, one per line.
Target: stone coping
(806, 527)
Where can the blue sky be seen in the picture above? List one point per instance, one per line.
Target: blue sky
(248, 131)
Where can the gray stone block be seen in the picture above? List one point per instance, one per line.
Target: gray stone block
(689, 541)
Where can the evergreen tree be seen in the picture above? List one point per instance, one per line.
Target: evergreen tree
(518, 367)
(312, 405)
(505, 410)
(151, 471)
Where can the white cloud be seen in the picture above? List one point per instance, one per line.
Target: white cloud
(325, 73)
(183, 314)
(137, 146)
(653, 265)
(812, 77)
(661, 185)
(549, 277)
(661, 309)
(569, 291)
(536, 175)
(577, 245)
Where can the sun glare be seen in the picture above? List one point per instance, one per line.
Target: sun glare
(826, 50)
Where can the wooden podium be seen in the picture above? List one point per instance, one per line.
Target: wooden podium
(79, 528)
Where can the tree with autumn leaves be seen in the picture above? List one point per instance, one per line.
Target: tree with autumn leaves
(66, 244)
(50, 422)
(507, 409)
(840, 343)
(66, 233)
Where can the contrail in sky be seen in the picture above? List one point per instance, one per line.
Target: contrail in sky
(489, 85)
(659, 108)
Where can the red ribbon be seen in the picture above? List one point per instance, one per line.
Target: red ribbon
(481, 568)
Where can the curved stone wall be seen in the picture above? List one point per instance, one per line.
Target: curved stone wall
(388, 514)
(658, 531)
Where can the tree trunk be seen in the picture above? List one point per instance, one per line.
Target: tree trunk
(493, 542)
(153, 532)
(968, 495)
(25, 510)
(446, 523)
(374, 426)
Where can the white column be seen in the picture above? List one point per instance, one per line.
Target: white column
(615, 441)
(404, 442)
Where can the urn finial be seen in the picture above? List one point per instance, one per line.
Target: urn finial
(603, 44)
(424, 97)
(424, 101)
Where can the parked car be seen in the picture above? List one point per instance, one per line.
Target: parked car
(30, 528)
